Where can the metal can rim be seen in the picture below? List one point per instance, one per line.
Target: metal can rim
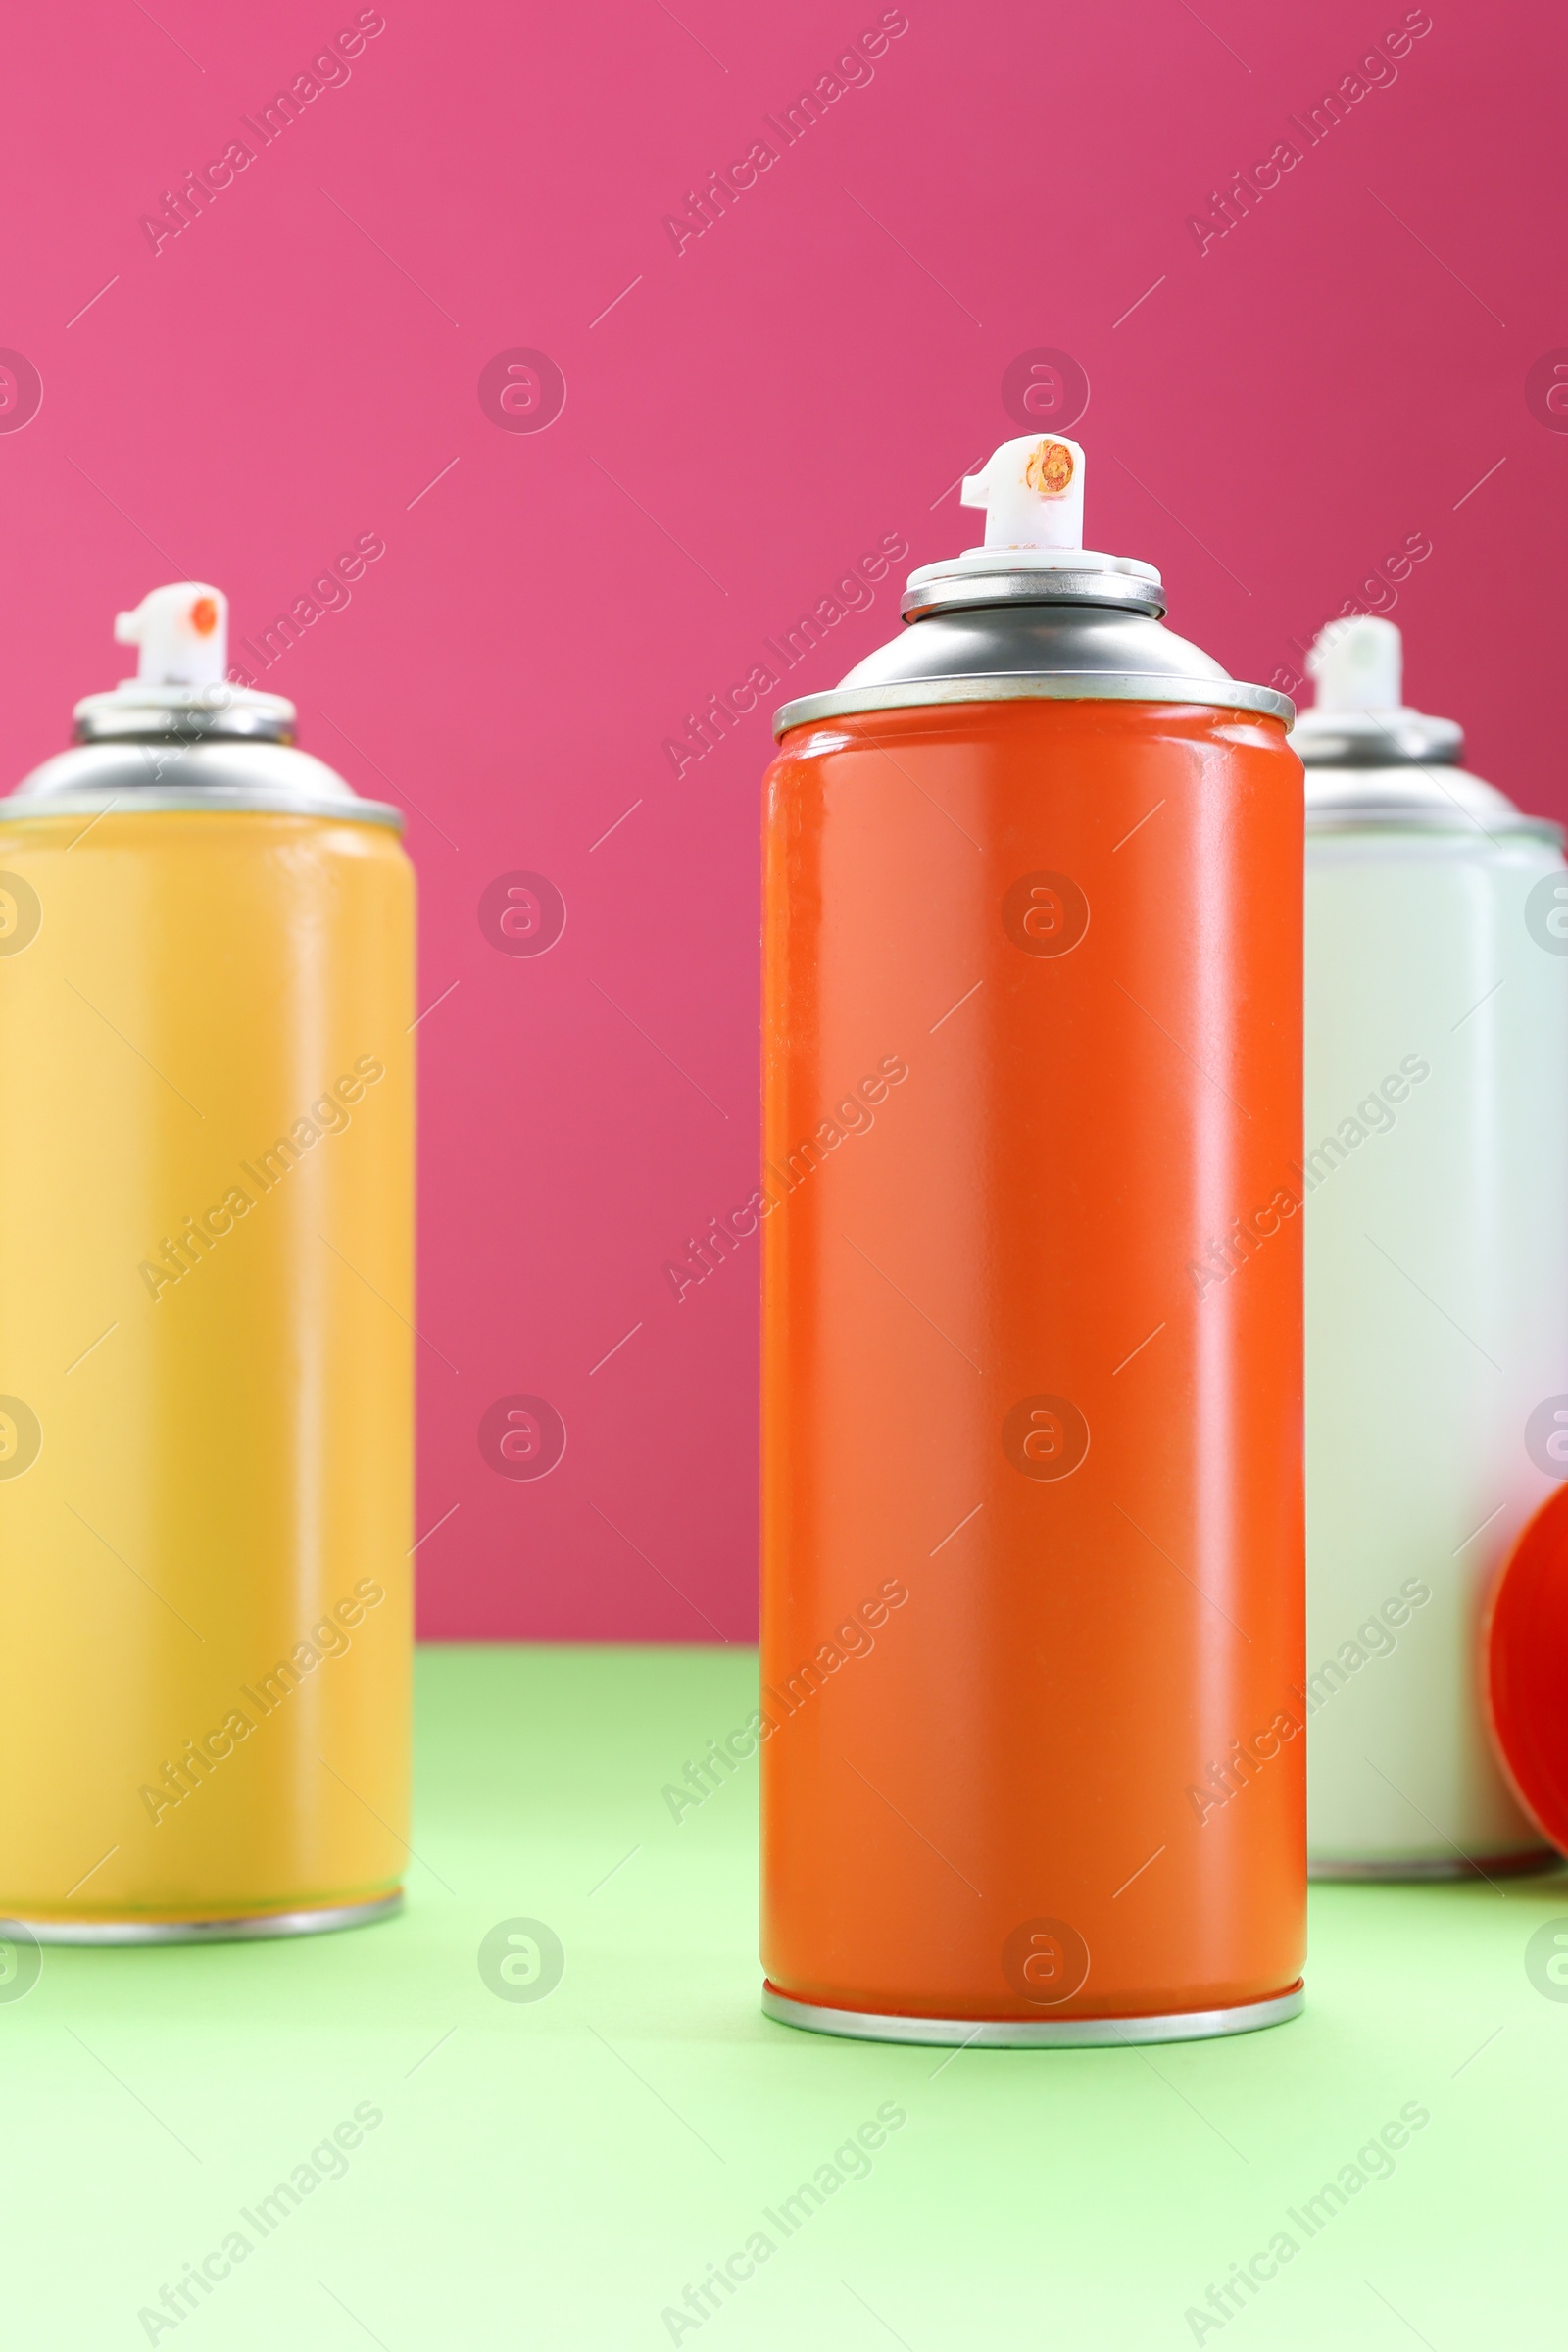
(1065, 685)
(214, 799)
(935, 590)
(1080, 2032)
(1320, 822)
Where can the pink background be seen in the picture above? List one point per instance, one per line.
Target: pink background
(1335, 374)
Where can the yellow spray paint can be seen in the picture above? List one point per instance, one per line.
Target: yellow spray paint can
(206, 1304)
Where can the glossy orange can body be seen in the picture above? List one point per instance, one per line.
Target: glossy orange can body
(1032, 1622)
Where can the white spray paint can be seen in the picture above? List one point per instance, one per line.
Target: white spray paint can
(1436, 1168)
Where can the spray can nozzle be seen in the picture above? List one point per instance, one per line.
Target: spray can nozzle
(1032, 490)
(182, 632)
(1359, 664)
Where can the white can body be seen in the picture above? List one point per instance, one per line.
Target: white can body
(1435, 1163)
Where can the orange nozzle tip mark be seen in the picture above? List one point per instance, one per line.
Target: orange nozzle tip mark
(1050, 469)
(204, 617)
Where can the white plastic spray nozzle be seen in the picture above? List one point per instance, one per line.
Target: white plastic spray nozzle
(1032, 490)
(182, 632)
(1359, 664)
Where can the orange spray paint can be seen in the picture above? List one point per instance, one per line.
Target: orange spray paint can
(1033, 1763)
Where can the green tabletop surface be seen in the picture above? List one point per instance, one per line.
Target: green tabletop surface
(559, 2171)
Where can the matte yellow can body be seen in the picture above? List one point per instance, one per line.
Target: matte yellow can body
(206, 1307)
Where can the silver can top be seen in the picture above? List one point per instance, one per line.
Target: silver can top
(180, 735)
(1033, 615)
(1374, 765)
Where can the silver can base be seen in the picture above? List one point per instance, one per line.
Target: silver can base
(1027, 2034)
(212, 1931)
(1421, 1867)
